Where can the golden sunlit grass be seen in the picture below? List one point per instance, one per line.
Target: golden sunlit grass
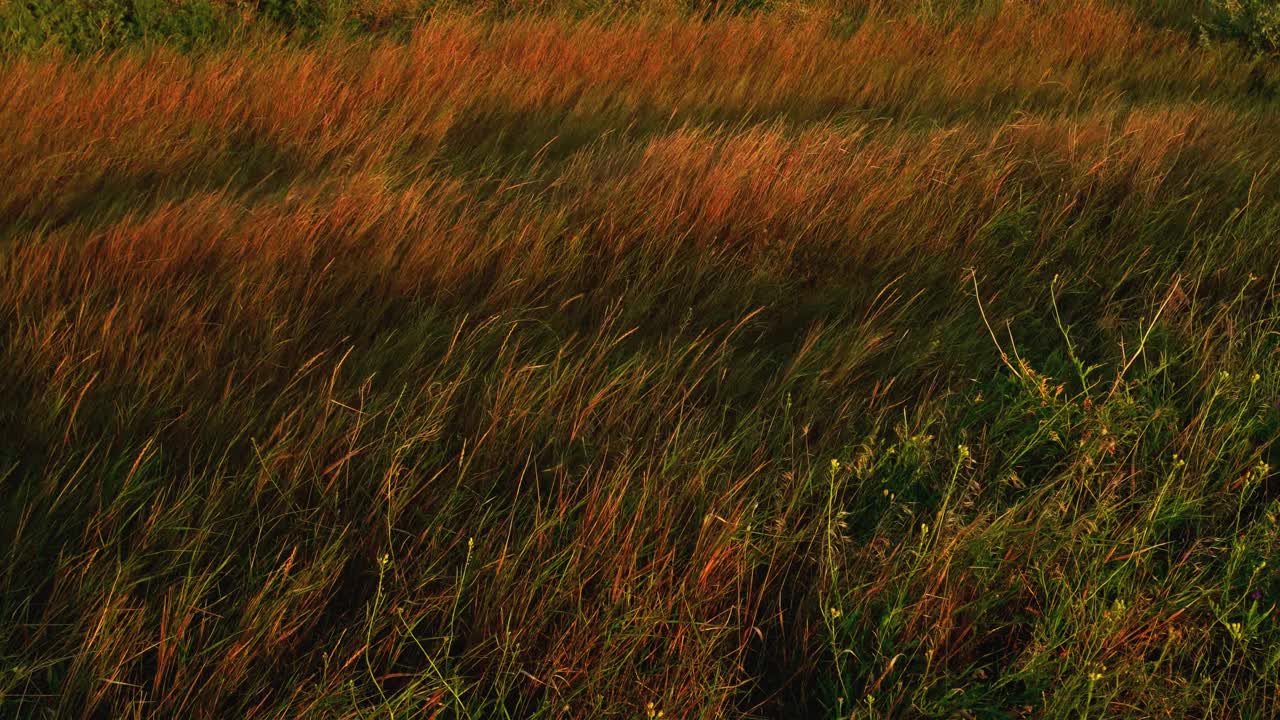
(812, 363)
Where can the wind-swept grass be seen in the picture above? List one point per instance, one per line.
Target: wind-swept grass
(763, 365)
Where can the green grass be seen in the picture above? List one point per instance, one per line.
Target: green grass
(821, 361)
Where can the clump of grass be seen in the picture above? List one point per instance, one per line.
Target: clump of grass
(498, 370)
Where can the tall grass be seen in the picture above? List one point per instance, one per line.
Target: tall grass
(753, 365)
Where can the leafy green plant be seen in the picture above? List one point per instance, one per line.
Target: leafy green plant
(1254, 23)
(90, 25)
(82, 26)
(78, 26)
(300, 14)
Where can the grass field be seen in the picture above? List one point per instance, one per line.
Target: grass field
(914, 359)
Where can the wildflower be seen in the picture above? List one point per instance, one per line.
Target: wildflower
(1236, 630)
(924, 528)
(1254, 378)
(835, 464)
(964, 452)
(1095, 676)
(835, 613)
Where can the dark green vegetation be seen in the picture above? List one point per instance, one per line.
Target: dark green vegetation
(1254, 23)
(90, 25)
(915, 361)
